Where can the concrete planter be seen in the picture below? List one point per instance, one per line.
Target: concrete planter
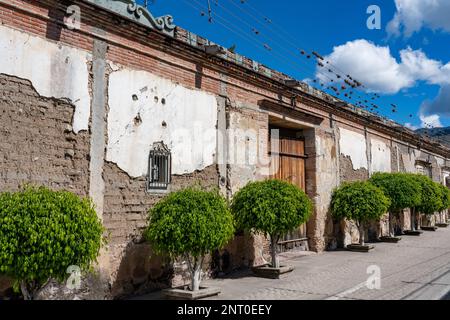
(390, 239)
(442, 225)
(268, 272)
(360, 248)
(415, 233)
(428, 228)
(185, 294)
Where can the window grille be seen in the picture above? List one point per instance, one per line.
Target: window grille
(159, 168)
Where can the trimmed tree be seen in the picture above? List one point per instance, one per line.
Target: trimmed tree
(360, 202)
(42, 233)
(431, 196)
(445, 199)
(273, 208)
(189, 224)
(402, 191)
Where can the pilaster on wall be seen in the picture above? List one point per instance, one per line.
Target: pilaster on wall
(222, 145)
(98, 126)
(368, 151)
(337, 149)
(98, 143)
(321, 168)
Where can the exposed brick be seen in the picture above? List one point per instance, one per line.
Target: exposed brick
(35, 153)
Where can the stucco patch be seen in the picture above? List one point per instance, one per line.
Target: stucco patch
(144, 109)
(381, 156)
(353, 145)
(54, 70)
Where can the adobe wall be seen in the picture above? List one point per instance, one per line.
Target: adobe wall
(80, 110)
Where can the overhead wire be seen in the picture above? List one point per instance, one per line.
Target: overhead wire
(268, 23)
(363, 103)
(242, 34)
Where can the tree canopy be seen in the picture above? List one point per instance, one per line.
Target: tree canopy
(359, 201)
(402, 190)
(190, 221)
(272, 207)
(43, 232)
(431, 194)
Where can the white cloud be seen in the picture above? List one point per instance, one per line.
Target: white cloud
(413, 15)
(372, 65)
(411, 126)
(440, 105)
(379, 71)
(431, 121)
(418, 66)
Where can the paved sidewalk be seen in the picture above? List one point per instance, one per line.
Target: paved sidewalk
(415, 268)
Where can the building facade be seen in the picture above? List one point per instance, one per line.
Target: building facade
(100, 98)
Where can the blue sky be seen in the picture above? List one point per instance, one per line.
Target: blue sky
(406, 62)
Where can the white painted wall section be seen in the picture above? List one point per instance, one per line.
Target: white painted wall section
(353, 145)
(409, 162)
(381, 156)
(54, 70)
(144, 109)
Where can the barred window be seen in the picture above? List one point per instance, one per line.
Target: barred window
(159, 168)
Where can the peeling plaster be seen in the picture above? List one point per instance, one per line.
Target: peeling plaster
(440, 161)
(381, 156)
(409, 162)
(353, 145)
(56, 71)
(144, 109)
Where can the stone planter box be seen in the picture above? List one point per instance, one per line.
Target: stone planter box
(428, 228)
(442, 225)
(360, 248)
(268, 272)
(390, 239)
(186, 294)
(412, 233)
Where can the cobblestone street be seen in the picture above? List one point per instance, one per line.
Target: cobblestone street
(415, 268)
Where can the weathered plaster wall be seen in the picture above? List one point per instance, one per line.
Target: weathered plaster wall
(380, 156)
(61, 158)
(134, 267)
(353, 145)
(248, 134)
(395, 158)
(348, 174)
(247, 146)
(37, 144)
(144, 109)
(325, 171)
(38, 147)
(55, 70)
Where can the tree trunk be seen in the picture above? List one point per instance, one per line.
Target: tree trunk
(27, 295)
(273, 251)
(32, 290)
(413, 219)
(391, 227)
(196, 273)
(361, 234)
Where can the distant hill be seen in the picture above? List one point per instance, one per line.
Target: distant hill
(440, 134)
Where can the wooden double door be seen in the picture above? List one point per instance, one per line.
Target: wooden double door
(289, 162)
